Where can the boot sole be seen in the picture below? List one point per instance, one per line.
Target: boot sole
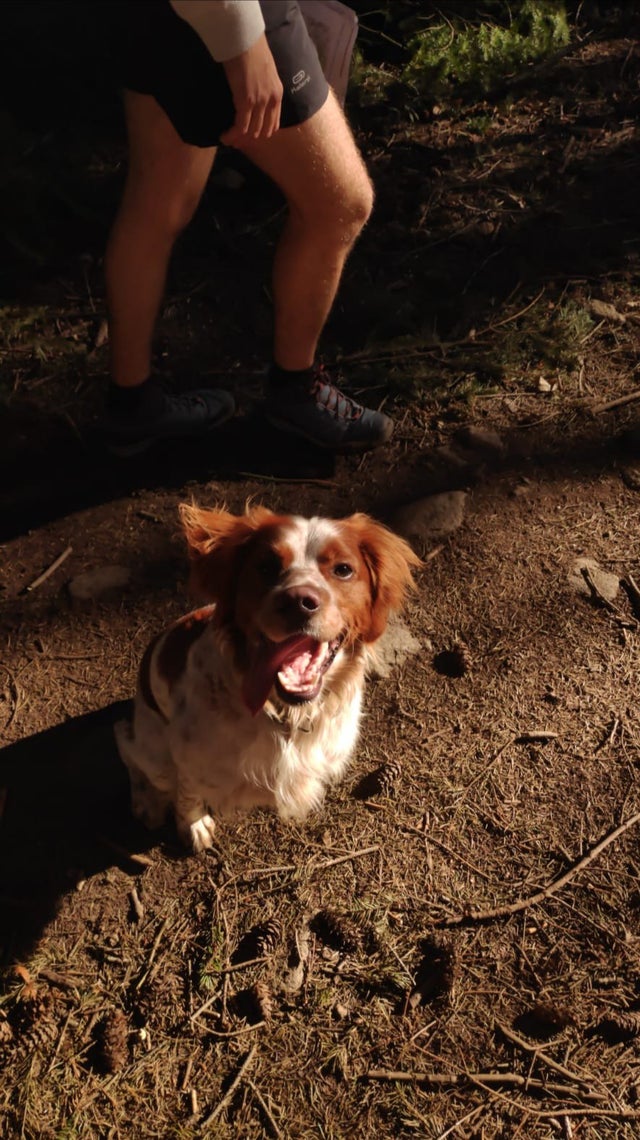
(346, 446)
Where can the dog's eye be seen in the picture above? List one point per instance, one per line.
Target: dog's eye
(343, 570)
(269, 567)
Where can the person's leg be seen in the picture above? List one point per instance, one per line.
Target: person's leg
(329, 194)
(165, 181)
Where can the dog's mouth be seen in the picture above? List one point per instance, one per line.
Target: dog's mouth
(295, 667)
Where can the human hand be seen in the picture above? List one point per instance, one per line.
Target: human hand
(257, 94)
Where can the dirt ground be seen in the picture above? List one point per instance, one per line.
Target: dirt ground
(452, 946)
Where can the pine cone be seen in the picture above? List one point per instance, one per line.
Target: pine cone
(39, 1038)
(461, 658)
(381, 782)
(261, 996)
(115, 1041)
(337, 930)
(259, 941)
(268, 936)
(436, 973)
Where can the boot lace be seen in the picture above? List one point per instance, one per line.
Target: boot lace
(334, 401)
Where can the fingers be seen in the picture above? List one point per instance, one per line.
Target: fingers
(258, 122)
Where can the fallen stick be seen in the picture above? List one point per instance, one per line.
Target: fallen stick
(344, 858)
(265, 1108)
(49, 571)
(633, 593)
(596, 594)
(628, 399)
(515, 1080)
(220, 1107)
(540, 1054)
(472, 915)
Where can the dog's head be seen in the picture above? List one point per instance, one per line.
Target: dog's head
(295, 593)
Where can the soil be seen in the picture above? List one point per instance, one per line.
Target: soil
(435, 953)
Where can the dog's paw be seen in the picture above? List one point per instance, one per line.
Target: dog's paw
(199, 835)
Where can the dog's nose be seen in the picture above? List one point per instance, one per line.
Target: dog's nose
(300, 600)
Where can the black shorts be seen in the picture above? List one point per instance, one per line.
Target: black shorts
(159, 54)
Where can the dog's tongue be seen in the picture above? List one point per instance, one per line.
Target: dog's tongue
(268, 659)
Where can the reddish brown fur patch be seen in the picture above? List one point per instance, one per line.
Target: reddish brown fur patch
(390, 561)
(215, 539)
(172, 657)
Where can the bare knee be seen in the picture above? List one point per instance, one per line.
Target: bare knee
(167, 212)
(342, 213)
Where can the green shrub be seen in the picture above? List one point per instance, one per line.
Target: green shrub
(476, 57)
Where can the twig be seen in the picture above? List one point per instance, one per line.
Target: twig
(596, 594)
(184, 1084)
(463, 1119)
(239, 966)
(345, 858)
(539, 1054)
(154, 950)
(236, 1032)
(220, 1107)
(422, 832)
(546, 892)
(451, 1079)
(51, 570)
(628, 399)
(265, 1108)
(143, 860)
(328, 483)
(433, 553)
(57, 979)
(632, 591)
(136, 904)
(485, 771)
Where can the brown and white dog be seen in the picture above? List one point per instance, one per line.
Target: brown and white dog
(255, 698)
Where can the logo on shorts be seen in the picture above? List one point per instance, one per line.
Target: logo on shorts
(299, 80)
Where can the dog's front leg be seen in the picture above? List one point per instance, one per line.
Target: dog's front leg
(195, 826)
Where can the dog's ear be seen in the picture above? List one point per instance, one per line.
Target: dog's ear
(390, 561)
(215, 539)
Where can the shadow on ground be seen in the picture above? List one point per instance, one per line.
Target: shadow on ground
(66, 817)
(60, 472)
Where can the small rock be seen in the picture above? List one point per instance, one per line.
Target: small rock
(608, 584)
(481, 439)
(631, 476)
(432, 517)
(396, 644)
(544, 385)
(607, 312)
(94, 583)
(521, 489)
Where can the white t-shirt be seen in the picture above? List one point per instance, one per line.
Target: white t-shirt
(226, 27)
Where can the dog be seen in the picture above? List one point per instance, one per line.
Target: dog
(254, 699)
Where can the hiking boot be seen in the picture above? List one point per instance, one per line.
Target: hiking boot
(323, 415)
(190, 415)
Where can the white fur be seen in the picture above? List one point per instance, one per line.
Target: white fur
(194, 745)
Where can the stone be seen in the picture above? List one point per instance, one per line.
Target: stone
(432, 517)
(102, 580)
(608, 584)
(481, 439)
(396, 644)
